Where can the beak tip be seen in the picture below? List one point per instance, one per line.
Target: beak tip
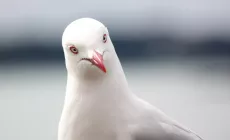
(104, 70)
(102, 67)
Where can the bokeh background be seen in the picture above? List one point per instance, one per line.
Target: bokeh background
(176, 55)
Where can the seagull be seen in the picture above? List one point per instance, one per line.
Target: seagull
(99, 104)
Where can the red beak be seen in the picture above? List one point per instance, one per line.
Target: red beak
(97, 60)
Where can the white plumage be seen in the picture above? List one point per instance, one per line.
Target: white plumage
(99, 104)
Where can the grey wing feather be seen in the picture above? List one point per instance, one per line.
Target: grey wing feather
(189, 132)
(161, 127)
(168, 132)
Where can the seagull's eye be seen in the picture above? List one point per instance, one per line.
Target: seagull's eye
(73, 49)
(104, 38)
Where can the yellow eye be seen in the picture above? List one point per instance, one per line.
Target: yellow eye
(73, 49)
(104, 38)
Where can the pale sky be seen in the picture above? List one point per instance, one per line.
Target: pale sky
(183, 18)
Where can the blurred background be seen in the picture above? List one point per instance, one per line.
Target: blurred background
(176, 55)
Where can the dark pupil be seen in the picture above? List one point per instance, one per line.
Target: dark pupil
(74, 49)
(103, 37)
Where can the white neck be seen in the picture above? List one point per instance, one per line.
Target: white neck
(112, 85)
(94, 101)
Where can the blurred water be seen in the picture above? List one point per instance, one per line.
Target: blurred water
(194, 92)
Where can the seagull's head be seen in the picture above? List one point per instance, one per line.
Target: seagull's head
(87, 48)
